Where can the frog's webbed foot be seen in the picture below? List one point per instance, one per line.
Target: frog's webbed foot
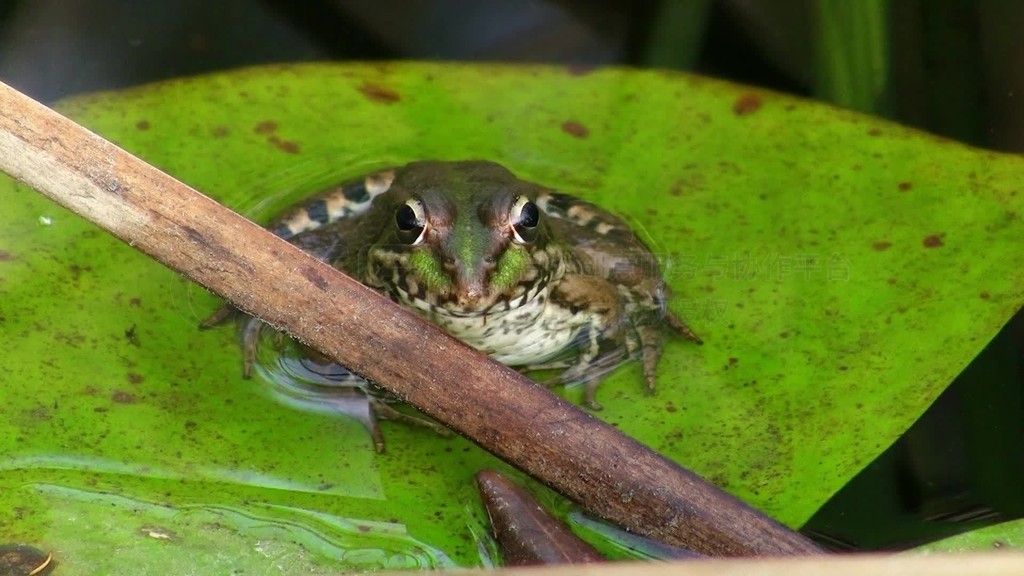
(380, 409)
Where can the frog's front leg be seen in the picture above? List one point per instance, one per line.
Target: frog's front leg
(631, 319)
(599, 305)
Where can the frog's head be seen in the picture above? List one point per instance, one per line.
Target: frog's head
(466, 232)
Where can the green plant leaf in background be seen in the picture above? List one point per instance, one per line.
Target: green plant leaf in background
(842, 270)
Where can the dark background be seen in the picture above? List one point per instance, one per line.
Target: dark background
(954, 68)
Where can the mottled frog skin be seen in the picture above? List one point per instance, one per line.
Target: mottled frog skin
(534, 278)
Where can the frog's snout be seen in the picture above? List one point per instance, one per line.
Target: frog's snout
(470, 286)
(470, 291)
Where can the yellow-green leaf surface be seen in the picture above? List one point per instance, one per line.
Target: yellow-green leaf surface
(1004, 536)
(841, 270)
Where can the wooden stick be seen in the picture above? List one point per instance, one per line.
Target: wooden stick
(609, 474)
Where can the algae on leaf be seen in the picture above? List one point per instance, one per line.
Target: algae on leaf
(842, 270)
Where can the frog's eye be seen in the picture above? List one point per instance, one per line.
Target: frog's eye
(524, 216)
(411, 219)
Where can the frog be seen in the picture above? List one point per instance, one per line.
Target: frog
(535, 278)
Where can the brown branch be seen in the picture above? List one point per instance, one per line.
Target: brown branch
(526, 532)
(609, 474)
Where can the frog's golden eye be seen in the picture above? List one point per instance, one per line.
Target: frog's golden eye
(524, 216)
(411, 219)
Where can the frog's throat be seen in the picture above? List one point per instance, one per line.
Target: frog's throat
(508, 270)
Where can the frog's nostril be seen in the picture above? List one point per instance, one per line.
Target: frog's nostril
(470, 291)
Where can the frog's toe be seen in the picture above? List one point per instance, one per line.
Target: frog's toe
(650, 380)
(219, 316)
(650, 360)
(590, 396)
(378, 410)
(250, 344)
(650, 353)
(680, 327)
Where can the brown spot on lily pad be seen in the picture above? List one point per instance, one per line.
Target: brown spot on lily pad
(40, 413)
(122, 397)
(285, 145)
(135, 378)
(985, 295)
(574, 128)
(881, 246)
(6, 256)
(379, 93)
(933, 241)
(905, 186)
(220, 131)
(265, 127)
(747, 104)
(874, 132)
(142, 125)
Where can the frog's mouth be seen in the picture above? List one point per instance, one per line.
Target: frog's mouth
(468, 302)
(464, 301)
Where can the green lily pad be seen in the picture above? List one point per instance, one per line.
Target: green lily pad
(1003, 536)
(842, 270)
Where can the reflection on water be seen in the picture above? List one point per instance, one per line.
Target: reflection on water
(82, 463)
(304, 379)
(251, 538)
(299, 377)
